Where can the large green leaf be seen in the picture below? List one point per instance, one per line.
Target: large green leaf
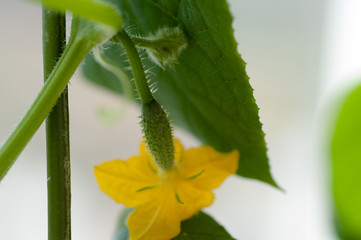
(199, 227)
(208, 91)
(346, 162)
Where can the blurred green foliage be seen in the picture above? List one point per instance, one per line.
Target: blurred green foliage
(346, 163)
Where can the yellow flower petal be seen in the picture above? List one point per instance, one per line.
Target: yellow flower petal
(122, 180)
(193, 199)
(159, 219)
(164, 198)
(214, 166)
(179, 150)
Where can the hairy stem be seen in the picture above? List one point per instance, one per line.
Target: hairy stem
(155, 124)
(57, 133)
(137, 67)
(155, 43)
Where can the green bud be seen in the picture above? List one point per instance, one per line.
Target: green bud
(164, 46)
(158, 134)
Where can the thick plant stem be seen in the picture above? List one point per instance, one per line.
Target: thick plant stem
(74, 53)
(57, 133)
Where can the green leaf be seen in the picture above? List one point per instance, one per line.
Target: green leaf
(208, 91)
(202, 227)
(199, 227)
(346, 162)
(96, 10)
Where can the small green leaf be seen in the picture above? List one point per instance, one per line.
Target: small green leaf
(346, 162)
(202, 227)
(96, 10)
(199, 227)
(208, 91)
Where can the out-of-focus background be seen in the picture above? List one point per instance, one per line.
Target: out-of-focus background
(300, 55)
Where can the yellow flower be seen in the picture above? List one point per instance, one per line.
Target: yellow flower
(164, 198)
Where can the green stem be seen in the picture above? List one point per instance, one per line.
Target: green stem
(137, 67)
(155, 124)
(118, 72)
(74, 53)
(155, 43)
(57, 133)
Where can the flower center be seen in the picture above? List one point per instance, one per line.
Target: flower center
(169, 178)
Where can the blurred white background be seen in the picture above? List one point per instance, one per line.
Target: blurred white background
(298, 54)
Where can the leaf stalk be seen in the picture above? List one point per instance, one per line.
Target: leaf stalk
(73, 55)
(137, 67)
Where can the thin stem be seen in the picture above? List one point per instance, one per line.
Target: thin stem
(74, 53)
(155, 43)
(155, 124)
(137, 67)
(57, 133)
(107, 63)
